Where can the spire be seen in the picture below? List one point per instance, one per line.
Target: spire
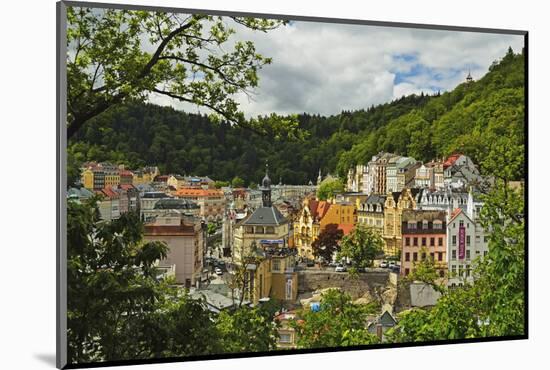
(469, 77)
(266, 188)
(319, 178)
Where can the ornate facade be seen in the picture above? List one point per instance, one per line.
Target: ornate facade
(394, 206)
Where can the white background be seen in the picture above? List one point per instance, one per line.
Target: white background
(27, 242)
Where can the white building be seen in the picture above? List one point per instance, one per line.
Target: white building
(466, 242)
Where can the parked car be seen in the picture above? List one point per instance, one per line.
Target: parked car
(218, 271)
(391, 264)
(395, 268)
(384, 264)
(340, 268)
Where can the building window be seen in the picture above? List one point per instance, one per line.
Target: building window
(485, 238)
(461, 223)
(425, 225)
(415, 242)
(438, 225)
(453, 254)
(407, 241)
(423, 242)
(411, 225)
(467, 239)
(432, 256)
(415, 256)
(440, 256)
(454, 240)
(432, 242)
(467, 270)
(441, 273)
(467, 254)
(423, 256)
(453, 269)
(407, 256)
(407, 271)
(440, 242)
(276, 265)
(284, 338)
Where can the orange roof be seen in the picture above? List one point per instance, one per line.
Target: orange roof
(322, 209)
(194, 192)
(455, 213)
(126, 173)
(451, 160)
(109, 193)
(346, 228)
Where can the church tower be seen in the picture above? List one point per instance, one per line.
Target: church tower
(266, 189)
(319, 178)
(469, 77)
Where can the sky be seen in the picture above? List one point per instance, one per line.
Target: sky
(324, 68)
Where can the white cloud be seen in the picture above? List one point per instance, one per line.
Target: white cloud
(326, 68)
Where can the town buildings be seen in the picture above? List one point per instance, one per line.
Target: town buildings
(466, 241)
(395, 204)
(185, 246)
(376, 174)
(370, 213)
(307, 227)
(211, 201)
(261, 246)
(424, 235)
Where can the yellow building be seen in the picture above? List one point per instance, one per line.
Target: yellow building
(87, 178)
(261, 246)
(370, 213)
(112, 178)
(306, 226)
(339, 214)
(394, 205)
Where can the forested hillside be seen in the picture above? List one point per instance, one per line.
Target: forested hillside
(475, 118)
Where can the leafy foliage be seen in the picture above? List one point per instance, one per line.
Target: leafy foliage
(329, 188)
(118, 309)
(338, 323)
(360, 246)
(193, 59)
(327, 242)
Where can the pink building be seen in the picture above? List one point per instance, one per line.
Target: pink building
(423, 236)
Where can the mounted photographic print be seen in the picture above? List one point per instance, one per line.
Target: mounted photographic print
(235, 184)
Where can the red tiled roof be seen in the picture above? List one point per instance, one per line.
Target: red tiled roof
(455, 213)
(109, 193)
(322, 209)
(451, 160)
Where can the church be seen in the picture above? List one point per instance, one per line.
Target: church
(262, 245)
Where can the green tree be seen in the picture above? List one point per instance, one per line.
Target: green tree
(109, 63)
(327, 242)
(425, 271)
(237, 182)
(329, 188)
(338, 323)
(117, 307)
(247, 330)
(221, 184)
(361, 247)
